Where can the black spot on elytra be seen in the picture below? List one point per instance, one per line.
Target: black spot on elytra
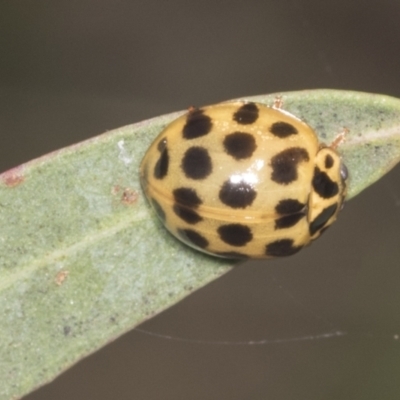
(197, 124)
(246, 114)
(240, 145)
(281, 248)
(233, 255)
(193, 237)
(187, 214)
(162, 145)
(237, 195)
(235, 234)
(161, 167)
(288, 221)
(283, 129)
(323, 185)
(196, 163)
(185, 200)
(324, 216)
(329, 161)
(158, 209)
(186, 197)
(284, 164)
(289, 206)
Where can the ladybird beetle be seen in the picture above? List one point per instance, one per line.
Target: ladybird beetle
(243, 180)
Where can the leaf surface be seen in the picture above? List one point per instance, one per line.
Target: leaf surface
(82, 257)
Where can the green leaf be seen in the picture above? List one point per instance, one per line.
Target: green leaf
(82, 257)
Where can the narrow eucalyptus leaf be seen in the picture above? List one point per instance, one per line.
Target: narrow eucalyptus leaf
(82, 257)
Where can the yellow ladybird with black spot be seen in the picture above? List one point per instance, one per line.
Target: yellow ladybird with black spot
(243, 180)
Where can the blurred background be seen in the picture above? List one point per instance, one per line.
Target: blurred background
(330, 315)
